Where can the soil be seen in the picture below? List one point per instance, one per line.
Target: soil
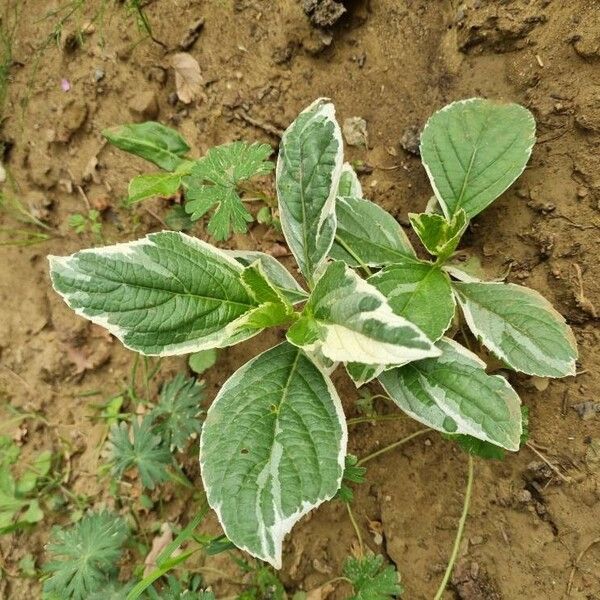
(391, 62)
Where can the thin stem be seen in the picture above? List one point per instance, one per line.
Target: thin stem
(404, 440)
(459, 532)
(356, 529)
(357, 420)
(357, 258)
(551, 465)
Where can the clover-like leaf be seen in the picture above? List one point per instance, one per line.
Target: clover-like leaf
(214, 181)
(272, 448)
(371, 579)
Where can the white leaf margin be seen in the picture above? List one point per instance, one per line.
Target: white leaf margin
(463, 427)
(227, 336)
(285, 523)
(339, 339)
(499, 352)
(326, 109)
(436, 191)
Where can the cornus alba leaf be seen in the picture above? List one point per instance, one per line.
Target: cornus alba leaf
(273, 444)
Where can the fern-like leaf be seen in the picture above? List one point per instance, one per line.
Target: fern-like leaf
(178, 409)
(84, 556)
(214, 181)
(146, 451)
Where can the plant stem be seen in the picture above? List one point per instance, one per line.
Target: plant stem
(404, 440)
(356, 529)
(357, 420)
(459, 532)
(349, 250)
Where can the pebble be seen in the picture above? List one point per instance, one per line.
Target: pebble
(145, 106)
(355, 131)
(99, 75)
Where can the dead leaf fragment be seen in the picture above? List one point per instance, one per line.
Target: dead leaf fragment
(192, 34)
(188, 79)
(159, 543)
(320, 593)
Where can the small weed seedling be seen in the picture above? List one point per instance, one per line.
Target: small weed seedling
(209, 182)
(273, 445)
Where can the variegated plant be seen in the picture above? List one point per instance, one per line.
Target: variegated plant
(274, 441)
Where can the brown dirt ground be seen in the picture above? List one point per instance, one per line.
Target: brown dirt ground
(392, 62)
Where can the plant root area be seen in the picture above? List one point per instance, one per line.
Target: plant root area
(71, 73)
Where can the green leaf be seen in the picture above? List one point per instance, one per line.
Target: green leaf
(156, 143)
(371, 579)
(453, 394)
(368, 235)
(439, 236)
(214, 180)
(163, 185)
(84, 556)
(361, 373)
(420, 292)
(272, 448)
(114, 590)
(9, 451)
(165, 294)
(352, 474)
(178, 409)
(520, 327)
(177, 219)
(486, 450)
(146, 452)
(200, 362)
(349, 185)
(274, 270)
(473, 150)
(347, 319)
(40, 468)
(308, 174)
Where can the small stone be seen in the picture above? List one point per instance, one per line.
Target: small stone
(157, 74)
(476, 540)
(145, 106)
(582, 192)
(323, 13)
(524, 496)
(73, 117)
(355, 131)
(39, 205)
(99, 75)
(411, 139)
